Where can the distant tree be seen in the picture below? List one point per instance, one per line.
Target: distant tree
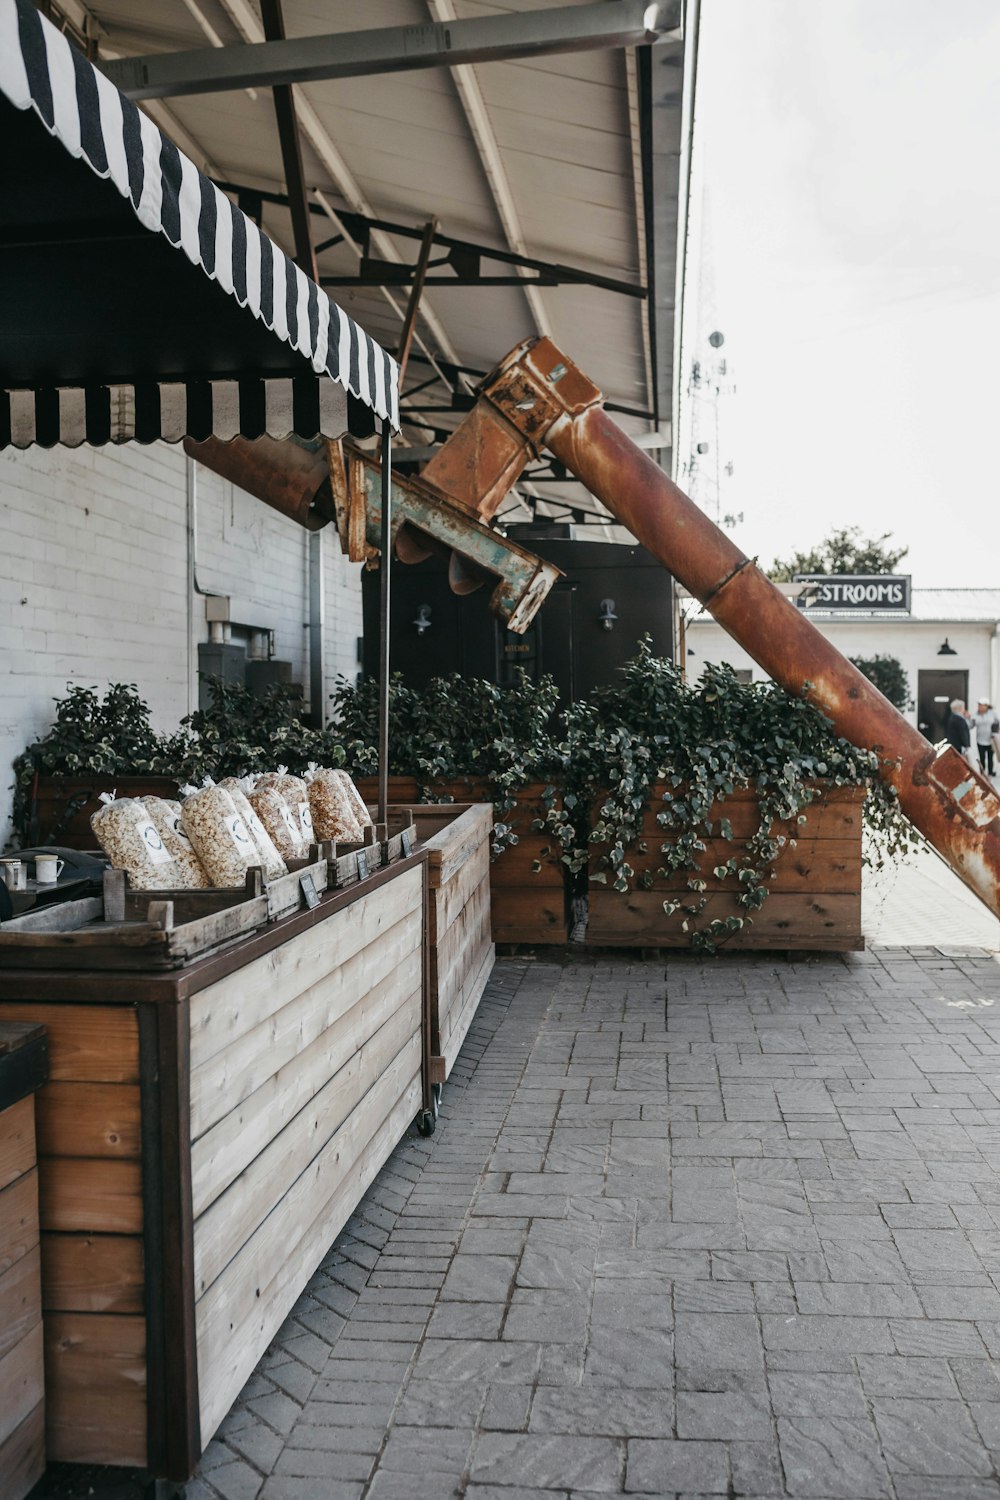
(887, 673)
(843, 551)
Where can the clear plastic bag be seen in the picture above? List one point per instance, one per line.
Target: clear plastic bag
(166, 815)
(271, 861)
(296, 796)
(278, 819)
(332, 815)
(357, 803)
(132, 842)
(220, 836)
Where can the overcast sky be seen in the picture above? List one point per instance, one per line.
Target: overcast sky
(847, 244)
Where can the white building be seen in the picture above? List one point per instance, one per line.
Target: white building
(108, 556)
(948, 645)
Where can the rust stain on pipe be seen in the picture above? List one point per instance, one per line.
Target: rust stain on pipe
(281, 473)
(539, 391)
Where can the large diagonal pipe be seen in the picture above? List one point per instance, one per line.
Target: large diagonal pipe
(542, 400)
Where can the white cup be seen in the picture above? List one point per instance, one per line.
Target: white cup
(14, 874)
(48, 868)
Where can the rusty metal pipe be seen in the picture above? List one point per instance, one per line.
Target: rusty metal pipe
(280, 472)
(539, 391)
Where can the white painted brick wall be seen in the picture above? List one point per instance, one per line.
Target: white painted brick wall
(93, 582)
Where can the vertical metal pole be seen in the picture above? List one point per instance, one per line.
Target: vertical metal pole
(385, 561)
(317, 617)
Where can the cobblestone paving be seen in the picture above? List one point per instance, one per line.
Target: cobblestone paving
(684, 1229)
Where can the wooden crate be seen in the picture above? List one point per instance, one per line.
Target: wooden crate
(461, 952)
(138, 930)
(204, 1136)
(815, 894)
(528, 905)
(23, 1066)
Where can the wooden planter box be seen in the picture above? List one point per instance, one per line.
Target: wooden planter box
(528, 906)
(815, 893)
(204, 1137)
(57, 795)
(23, 1068)
(461, 952)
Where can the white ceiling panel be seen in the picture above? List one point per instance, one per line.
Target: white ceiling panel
(550, 163)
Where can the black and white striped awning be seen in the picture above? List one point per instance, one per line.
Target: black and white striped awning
(138, 300)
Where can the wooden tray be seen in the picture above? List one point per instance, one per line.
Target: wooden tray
(384, 843)
(302, 886)
(133, 929)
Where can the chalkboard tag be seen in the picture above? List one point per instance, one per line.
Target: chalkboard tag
(407, 843)
(362, 865)
(309, 890)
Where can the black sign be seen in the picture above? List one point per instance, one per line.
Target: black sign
(855, 593)
(308, 888)
(362, 865)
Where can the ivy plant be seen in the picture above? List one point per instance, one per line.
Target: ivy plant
(652, 739)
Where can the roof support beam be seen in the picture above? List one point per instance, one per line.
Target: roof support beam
(291, 148)
(396, 49)
(474, 105)
(247, 23)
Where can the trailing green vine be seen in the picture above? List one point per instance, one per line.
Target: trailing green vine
(647, 741)
(651, 736)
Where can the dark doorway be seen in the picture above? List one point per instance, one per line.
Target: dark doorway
(935, 691)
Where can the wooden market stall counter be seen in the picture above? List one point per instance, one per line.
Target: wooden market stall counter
(205, 1135)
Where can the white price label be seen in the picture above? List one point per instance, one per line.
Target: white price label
(291, 823)
(238, 832)
(305, 818)
(154, 844)
(178, 828)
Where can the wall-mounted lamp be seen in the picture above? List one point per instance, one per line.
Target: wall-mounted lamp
(607, 616)
(945, 650)
(422, 622)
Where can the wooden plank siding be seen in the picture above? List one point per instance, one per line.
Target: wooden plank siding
(91, 1216)
(304, 1074)
(814, 899)
(22, 1372)
(461, 952)
(204, 1136)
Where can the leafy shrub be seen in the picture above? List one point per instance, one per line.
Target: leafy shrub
(888, 675)
(703, 741)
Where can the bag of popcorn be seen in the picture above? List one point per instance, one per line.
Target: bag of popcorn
(358, 805)
(220, 837)
(167, 817)
(271, 861)
(132, 842)
(293, 790)
(281, 824)
(332, 815)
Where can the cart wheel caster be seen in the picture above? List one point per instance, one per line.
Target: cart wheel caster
(436, 1098)
(426, 1122)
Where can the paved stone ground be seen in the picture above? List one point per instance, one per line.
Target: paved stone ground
(922, 900)
(684, 1229)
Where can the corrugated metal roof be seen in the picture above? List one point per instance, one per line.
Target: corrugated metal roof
(400, 146)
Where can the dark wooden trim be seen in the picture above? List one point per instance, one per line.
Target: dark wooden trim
(154, 1279)
(127, 987)
(427, 1060)
(172, 1412)
(25, 1066)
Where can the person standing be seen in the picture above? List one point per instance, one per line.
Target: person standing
(957, 728)
(984, 725)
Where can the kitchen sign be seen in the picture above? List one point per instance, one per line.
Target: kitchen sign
(855, 593)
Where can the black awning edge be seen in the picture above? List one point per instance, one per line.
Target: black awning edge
(308, 406)
(42, 71)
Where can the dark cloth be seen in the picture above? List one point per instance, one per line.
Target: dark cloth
(986, 758)
(957, 732)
